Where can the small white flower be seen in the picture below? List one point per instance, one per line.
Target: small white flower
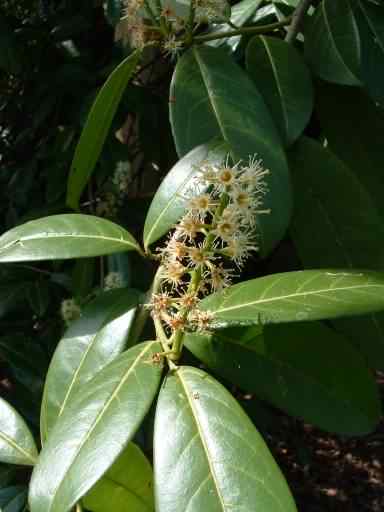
(172, 46)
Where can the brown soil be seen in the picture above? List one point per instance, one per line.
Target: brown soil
(328, 473)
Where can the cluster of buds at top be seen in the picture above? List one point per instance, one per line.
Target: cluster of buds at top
(215, 236)
(148, 21)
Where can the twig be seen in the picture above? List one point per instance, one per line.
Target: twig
(297, 19)
(261, 29)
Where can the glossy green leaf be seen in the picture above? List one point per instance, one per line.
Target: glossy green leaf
(306, 369)
(332, 43)
(170, 200)
(64, 236)
(16, 442)
(211, 96)
(13, 498)
(94, 429)
(97, 127)
(297, 296)
(88, 345)
(334, 210)
(126, 487)
(284, 81)
(207, 453)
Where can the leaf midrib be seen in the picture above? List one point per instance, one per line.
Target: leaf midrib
(278, 85)
(129, 491)
(201, 436)
(17, 447)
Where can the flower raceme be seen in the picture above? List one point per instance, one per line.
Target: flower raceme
(217, 233)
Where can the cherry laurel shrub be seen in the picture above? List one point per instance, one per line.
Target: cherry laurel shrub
(159, 363)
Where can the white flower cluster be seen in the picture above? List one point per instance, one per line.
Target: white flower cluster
(217, 231)
(137, 30)
(113, 280)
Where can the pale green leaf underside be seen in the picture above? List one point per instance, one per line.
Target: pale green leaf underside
(17, 445)
(126, 487)
(94, 429)
(208, 455)
(297, 296)
(64, 236)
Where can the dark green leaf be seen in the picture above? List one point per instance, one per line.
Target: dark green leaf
(126, 487)
(83, 277)
(354, 134)
(7, 474)
(283, 79)
(64, 236)
(334, 210)
(90, 343)
(13, 499)
(12, 294)
(332, 43)
(208, 455)
(297, 296)
(212, 97)
(94, 429)
(97, 126)
(16, 442)
(27, 361)
(38, 296)
(169, 202)
(371, 26)
(306, 369)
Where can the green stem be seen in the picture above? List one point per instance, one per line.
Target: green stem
(150, 12)
(79, 508)
(262, 29)
(178, 337)
(297, 19)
